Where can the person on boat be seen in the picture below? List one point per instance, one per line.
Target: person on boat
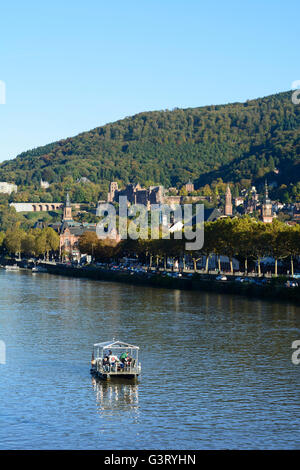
(93, 362)
(113, 359)
(105, 363)
(128, 359)
(123, 359)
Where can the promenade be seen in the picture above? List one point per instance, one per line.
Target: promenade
(266, 287)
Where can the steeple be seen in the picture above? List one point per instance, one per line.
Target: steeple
(228, 201)
(266, 197)
(68, 204)
(67, 209)
(267, 209)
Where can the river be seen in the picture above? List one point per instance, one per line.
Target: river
(216, 369)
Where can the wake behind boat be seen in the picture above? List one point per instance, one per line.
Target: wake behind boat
(115, 359)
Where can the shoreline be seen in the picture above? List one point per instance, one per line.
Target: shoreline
(196, 283)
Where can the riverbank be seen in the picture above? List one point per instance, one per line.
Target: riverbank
(197, 282)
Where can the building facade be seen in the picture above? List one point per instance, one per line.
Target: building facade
(296, 212)
(135, 194)
(44, 184)
(113, 189)
(189, 187)
(70, 232)
(8, 188)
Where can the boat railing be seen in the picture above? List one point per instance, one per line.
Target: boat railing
(118, 368)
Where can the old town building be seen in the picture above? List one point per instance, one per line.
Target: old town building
(70, 232)
(296, 212)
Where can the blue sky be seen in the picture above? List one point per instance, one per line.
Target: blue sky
(71, 66)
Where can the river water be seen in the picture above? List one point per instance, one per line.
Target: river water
(216, 370)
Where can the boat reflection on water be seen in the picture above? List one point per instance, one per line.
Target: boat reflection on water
(114, 397)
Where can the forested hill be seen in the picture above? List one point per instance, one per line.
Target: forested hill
(234, 141)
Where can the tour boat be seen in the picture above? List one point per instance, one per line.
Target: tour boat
(13, 267)
(115, 359)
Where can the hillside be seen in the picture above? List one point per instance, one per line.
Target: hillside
(234, 141)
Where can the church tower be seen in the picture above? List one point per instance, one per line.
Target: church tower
(68, 209)
(228, 202)
(267, 210)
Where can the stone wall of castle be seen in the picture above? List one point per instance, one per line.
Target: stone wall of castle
(135, 194)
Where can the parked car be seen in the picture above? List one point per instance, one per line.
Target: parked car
(291, 284)
(249, 280)
(177, 275)
(221, 277)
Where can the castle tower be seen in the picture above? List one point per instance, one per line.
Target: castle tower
(267, 210)
(189, 187)
(67, 209)
(228, 202)
(113, 188)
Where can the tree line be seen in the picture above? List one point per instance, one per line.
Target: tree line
(235, 141)
(243, 238)
(34, 242)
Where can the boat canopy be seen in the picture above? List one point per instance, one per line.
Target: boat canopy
(115, 345)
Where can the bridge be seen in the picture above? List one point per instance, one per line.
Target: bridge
(45, 207)
(36, 206)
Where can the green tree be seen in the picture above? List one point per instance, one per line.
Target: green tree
(260, 241)
(28, 244)
(276, 242)
(40, 243)
(243, 237)
(13, 240)
(292, 243)
(51, 240)
(88, 242)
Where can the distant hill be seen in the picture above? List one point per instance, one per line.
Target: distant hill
(234, 142)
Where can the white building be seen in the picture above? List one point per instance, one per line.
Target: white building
(8, 188)
(45, 184)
